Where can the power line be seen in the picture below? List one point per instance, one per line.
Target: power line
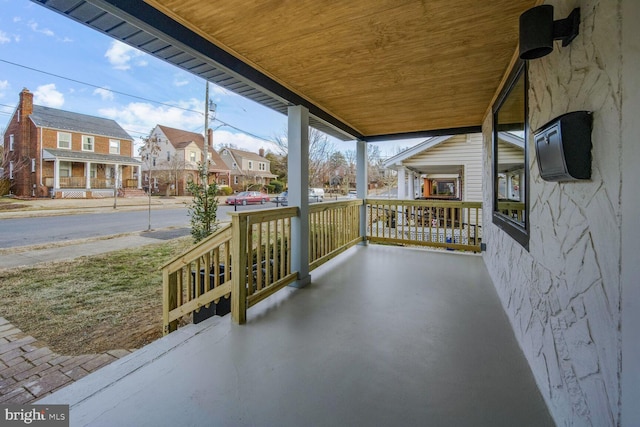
(132, 96)
(98, 87)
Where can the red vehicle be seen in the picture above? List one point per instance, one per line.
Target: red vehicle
(246, 197)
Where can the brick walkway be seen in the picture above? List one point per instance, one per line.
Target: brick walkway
(29, 370)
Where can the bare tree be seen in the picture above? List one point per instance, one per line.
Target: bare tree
(320, 150)
(170, 172)
(350, 174)
(10, 167)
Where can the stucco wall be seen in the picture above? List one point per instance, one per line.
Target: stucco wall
(563, 296)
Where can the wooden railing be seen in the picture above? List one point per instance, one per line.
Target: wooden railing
(452, 225)
(514, 210)
(333, 228)
(81, 182)
(259, 244)
(261, 239)
(197, 278)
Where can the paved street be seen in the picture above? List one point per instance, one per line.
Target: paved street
(82, 220)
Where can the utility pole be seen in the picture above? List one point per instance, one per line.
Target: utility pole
(205, 166)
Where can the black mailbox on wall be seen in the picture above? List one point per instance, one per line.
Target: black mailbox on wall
(563, 147)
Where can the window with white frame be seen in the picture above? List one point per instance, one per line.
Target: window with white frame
(65, 169)
(33, 165)
(235, 179)
(168, 156)
(250, 165)
(235, 165)
(262, 166)
(88, 142)
(64, 140)
(192, 156)
(93, 170)
(114, 146)
(11, 141)
(11, 169)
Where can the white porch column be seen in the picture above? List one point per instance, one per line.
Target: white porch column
(401, 184)
(87, 175)
(298, 170)
(139, 177)
(361, 185)
(56, 175)
(412, 192)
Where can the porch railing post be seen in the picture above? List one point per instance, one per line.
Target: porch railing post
(361, 186)
(170, 293)
(239, 269)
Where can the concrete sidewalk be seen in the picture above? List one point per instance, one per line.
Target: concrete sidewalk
(18, 208)
(26, 256)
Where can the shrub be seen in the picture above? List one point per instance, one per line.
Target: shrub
(5, 186)
(225, 190)
(278, 186)
(203, 209)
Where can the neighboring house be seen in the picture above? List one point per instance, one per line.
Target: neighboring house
(176, 163)
(51, 152)
(248, 170)
(443, 167)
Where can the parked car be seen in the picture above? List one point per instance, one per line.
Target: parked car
(283, 198)
(317, 194)
(246, 197)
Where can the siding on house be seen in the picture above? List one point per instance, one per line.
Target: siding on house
(462, 150)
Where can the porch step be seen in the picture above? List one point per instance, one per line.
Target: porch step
(133, 192)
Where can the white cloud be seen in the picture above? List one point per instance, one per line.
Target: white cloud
(17, 19)
(4, 38)
(35, 27)
(66, 40)
(142, 117)
(180, 80)
(104, 93)
(4, 86)
(121, 55)
(48, 96)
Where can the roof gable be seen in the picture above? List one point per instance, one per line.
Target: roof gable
(236, 153)
(53, 118)
(181, 138)
(416, 149)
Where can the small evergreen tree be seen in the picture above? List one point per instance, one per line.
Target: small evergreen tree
(203, 209)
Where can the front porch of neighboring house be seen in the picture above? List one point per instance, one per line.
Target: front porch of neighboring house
(89, 175)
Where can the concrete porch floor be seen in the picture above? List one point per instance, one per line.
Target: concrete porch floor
(383, 336)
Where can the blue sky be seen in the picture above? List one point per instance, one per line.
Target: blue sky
(40, 40)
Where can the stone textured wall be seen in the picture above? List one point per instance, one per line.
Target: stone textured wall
(563, 296)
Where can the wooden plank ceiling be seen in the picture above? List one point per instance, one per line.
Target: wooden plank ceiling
(382, 67)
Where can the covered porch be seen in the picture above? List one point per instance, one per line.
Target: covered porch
(73, 174)
(382, 336)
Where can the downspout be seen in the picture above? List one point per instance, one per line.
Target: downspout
(41, 157)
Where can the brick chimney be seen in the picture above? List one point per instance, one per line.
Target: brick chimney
(261, 152)
(26, 104)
